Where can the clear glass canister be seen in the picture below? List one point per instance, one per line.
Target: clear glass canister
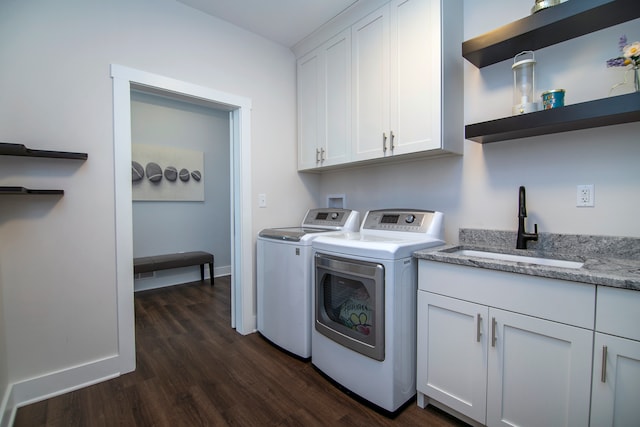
(524, 84)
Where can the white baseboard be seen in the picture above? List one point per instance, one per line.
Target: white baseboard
(176, 276)
(222, 271)
(7, 408)
(54, 384)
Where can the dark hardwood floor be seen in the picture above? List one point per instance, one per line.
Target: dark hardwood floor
(193, 369)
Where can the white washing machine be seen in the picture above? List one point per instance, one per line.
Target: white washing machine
(284, 277)
(365, 292)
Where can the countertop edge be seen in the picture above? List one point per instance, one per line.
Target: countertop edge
(611, 272)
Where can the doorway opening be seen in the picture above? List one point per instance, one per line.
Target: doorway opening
(239, 108)
(180, 212)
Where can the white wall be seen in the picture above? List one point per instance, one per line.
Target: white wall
(480, 189)
(161, 227)
(57, 259)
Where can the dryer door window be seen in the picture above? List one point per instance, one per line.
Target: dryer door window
(350, 303)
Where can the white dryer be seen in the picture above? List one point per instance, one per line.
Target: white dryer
(284, 277)
(365, 293)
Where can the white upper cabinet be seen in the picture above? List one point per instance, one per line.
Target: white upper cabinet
(415, 75)
(370, 40)
(337, 73)
(324, 104)
(309, 109)
(404, 89)
(397, 74)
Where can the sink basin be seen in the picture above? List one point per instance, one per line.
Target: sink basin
(520, 258)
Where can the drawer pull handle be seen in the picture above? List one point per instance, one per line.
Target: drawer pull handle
(478, 332)
(384, 142)
(494, 338)
(603, 375)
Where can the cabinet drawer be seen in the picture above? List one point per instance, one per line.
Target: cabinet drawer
(618, 312)
(556, 300)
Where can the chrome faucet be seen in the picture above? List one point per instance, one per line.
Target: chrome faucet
(523, 236)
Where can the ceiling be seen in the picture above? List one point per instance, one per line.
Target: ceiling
(283, 21)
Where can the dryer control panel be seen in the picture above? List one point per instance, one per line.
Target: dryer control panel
(417, 221)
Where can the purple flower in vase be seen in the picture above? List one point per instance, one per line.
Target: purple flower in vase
(630, 54)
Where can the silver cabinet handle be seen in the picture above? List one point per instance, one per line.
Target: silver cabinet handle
(322, 157)
(494, 338)
(384, 141)
(478, 332)
(317, 155)
(392, 137)
(603, 375)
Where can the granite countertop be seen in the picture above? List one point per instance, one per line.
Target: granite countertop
(608, 261)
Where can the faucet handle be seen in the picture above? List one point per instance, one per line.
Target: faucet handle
(535, 228)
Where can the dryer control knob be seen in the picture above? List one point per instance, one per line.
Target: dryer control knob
(334, 215)
(409, 219)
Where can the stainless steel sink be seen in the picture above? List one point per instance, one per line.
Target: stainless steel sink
(551, 262)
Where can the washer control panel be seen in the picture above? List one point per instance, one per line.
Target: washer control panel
(332, 217)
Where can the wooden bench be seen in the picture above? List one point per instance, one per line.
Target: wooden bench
(149, 264)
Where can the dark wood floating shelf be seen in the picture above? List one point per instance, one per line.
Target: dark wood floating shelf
(7, 149)
(25, 191)
(601, 112)
(547, 27)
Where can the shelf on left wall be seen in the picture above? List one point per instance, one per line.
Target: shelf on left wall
(25, 191)
(8, 149)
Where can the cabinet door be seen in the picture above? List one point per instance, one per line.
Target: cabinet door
(616, 382)
(452, 353)
(336, 135)
(539, 372)
(414, 75)
(370, 41)
(309, 109)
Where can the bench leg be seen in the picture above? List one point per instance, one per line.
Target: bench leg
(202, 272)
(211, 273)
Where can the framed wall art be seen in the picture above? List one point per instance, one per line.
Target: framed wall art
(160, 173)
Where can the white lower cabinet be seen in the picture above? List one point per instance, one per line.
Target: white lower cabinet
(616, 359)
(452, 360)
(490, 365)
(616, 382)
(539, 372)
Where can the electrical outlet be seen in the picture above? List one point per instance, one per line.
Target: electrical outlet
(585, 196)
(262, 200)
